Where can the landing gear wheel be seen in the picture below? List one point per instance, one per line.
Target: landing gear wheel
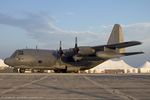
(40, 71)
(15, 70)
(32, 71)
(61, 70)
(57, 71)
(64, 70)
(22, 70)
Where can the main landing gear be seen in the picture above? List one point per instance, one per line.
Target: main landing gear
(20, 70)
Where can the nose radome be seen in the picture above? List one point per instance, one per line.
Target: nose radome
(6, 61)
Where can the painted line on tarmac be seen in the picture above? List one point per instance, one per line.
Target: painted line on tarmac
(112, 91)
(21, 86)
(43, 98)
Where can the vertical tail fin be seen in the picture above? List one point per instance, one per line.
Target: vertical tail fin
(116, 36)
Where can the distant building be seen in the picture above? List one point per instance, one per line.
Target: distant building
(2, 64)
(113, 66)
(145, 68)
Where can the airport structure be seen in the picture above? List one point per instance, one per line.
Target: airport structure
(2, 64)
(118, 66)
(113, 66)
(145, 68)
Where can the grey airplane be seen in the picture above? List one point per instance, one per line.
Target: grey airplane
(74, 59)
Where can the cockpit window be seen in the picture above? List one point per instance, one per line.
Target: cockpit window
(20, 52)
(16, 53)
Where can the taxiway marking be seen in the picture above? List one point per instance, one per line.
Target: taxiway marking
(20, 86)
(112, 91)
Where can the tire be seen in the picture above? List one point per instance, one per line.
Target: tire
(15, 70)
(22, 70)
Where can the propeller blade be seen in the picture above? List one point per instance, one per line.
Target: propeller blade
(76, 49)
(60, 49)
(76, 44)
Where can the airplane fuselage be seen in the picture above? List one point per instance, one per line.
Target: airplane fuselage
(49, 60)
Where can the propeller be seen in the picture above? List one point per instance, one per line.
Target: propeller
(60, 49)
(70, 53)
(76, 49)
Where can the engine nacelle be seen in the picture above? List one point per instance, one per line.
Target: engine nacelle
(85, 51)
(108, 55)
(77, 58)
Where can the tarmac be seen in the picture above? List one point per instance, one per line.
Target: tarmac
(28, 86)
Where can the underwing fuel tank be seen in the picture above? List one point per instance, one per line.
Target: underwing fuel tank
(108, 55)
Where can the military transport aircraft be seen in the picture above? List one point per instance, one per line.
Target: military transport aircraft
(73, 59)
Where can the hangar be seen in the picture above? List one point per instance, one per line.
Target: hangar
(145, 68)
(113, 66)
(2, 64)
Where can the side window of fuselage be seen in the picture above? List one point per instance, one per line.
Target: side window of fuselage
(20, 52)
(16, 53)
(40, 61)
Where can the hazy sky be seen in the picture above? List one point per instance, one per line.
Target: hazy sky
(27, 23)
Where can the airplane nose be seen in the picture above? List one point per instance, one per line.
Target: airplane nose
(7, 61)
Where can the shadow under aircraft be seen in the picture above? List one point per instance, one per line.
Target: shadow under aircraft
(74, 59)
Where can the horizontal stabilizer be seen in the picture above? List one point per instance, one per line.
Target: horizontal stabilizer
(131, 53)
(118, 45)
(123, 44)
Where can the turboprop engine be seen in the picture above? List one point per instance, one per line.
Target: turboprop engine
(85, 51)
(108, 55)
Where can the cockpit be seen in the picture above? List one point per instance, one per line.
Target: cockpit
(17, 52)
